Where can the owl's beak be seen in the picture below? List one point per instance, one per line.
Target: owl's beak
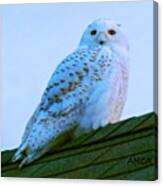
(102, 38)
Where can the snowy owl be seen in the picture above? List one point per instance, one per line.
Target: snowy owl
(87, 91)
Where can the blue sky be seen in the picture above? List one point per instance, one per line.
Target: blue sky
(36, 37)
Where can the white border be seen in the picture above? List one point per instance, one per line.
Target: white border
(53, 1)
(65, 182)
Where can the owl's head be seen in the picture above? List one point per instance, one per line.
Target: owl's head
(104, 32)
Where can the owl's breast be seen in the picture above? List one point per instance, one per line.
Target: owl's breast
(118, 100)
(107, 98)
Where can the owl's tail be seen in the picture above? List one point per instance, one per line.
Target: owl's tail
(20, 153)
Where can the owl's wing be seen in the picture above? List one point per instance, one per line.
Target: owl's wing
(67, 87)
(30, 123)
(70, 83)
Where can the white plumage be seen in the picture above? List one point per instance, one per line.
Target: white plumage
(86, 91)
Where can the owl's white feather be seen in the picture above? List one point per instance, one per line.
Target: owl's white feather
(86, 91)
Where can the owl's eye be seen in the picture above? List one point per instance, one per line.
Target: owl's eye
(111, 32)
(93, 32)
